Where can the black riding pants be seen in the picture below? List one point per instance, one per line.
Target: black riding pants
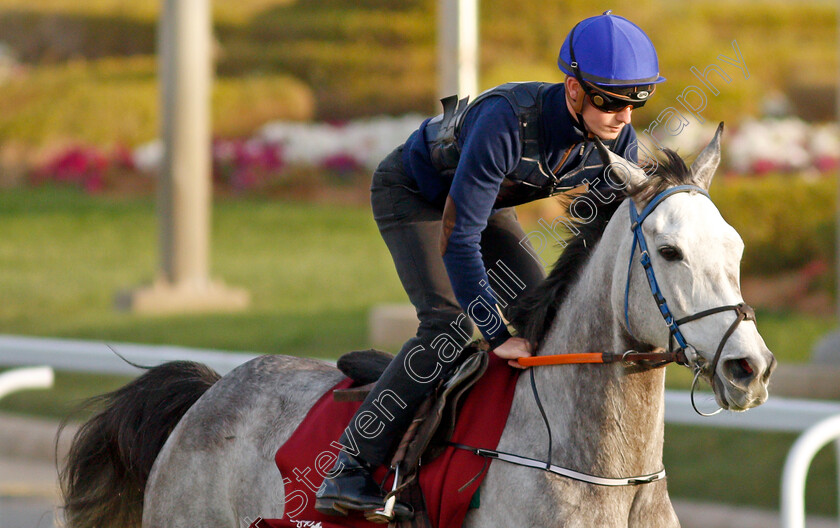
(411, 228)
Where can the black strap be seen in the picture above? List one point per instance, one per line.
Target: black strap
(744, 312)
(704, 313)
(544, 417)
(576, 70)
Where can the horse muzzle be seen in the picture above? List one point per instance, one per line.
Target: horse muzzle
(740, 383)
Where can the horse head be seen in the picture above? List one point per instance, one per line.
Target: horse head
(693, 260)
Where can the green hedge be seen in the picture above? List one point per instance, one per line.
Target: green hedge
(785, 221)
(116, 101)
(379, 56)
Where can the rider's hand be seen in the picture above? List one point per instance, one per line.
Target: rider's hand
(514, 347)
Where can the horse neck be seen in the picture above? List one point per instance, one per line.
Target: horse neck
(605, 419)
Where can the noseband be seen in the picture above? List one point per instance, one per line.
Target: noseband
(683, 353)
(679, 350)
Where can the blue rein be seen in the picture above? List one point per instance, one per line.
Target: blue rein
(636, 220)
(743, 311)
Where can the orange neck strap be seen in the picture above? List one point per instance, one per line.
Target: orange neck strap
(658, 355)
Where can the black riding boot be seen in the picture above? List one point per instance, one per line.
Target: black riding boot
(353, 488)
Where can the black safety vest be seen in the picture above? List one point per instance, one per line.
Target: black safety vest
(525, 98)
(531, 179)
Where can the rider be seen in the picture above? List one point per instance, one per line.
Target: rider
(444, 201)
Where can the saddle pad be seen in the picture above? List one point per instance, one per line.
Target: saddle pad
(308, 455)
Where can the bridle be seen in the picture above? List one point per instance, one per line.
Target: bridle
(684, 353)
(679, 351)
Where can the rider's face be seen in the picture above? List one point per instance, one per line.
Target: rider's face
(605, 125)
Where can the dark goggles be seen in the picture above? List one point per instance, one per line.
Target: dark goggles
(604, 100)
(611, 102)
(618, 100)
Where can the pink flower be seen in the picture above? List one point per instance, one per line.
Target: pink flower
(813, 269)
(763, 166)
(341, 163)
(83, 166)
(94, 183)
(122, 158)
(827, 163)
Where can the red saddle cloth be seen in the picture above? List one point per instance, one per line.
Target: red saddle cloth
(310, 453)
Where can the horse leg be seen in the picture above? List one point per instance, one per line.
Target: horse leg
(652, 508)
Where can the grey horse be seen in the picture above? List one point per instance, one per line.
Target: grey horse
(179, 447)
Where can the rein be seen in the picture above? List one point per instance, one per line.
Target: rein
(690, 358)
(680, 351)
(662, 358)
(683, 354)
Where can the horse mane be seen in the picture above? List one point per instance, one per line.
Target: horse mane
(534, 311)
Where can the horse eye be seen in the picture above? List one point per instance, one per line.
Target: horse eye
(670, 253)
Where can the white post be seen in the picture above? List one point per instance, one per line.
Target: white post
(25, 378)
(837, 466)
(184, 187)
(796, 467)
(184, 193)
(458, 47)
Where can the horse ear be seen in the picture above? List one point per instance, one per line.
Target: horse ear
(620, 170)
(704, 167)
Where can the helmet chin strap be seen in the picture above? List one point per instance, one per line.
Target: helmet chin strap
(578, 107)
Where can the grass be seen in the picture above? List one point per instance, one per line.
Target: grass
(743, 468)
(313, 271)
(65, 399)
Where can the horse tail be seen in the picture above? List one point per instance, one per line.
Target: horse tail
(111, 455)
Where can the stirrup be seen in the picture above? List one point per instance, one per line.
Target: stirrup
(379, 515)
(386, 513)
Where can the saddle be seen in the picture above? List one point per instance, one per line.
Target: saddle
(432, 425)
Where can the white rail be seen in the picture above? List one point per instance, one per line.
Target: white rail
(25, 378)
(778, 414)
(796, 469)
(97, 356)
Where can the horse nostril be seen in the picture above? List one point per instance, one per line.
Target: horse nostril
(766, 377)
(744, 364)
(739, 370)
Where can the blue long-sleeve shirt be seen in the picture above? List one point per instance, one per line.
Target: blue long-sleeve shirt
(490, 146)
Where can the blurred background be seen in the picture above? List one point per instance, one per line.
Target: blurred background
(308, 96)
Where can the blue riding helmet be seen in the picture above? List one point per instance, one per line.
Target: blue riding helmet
(610, 51)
